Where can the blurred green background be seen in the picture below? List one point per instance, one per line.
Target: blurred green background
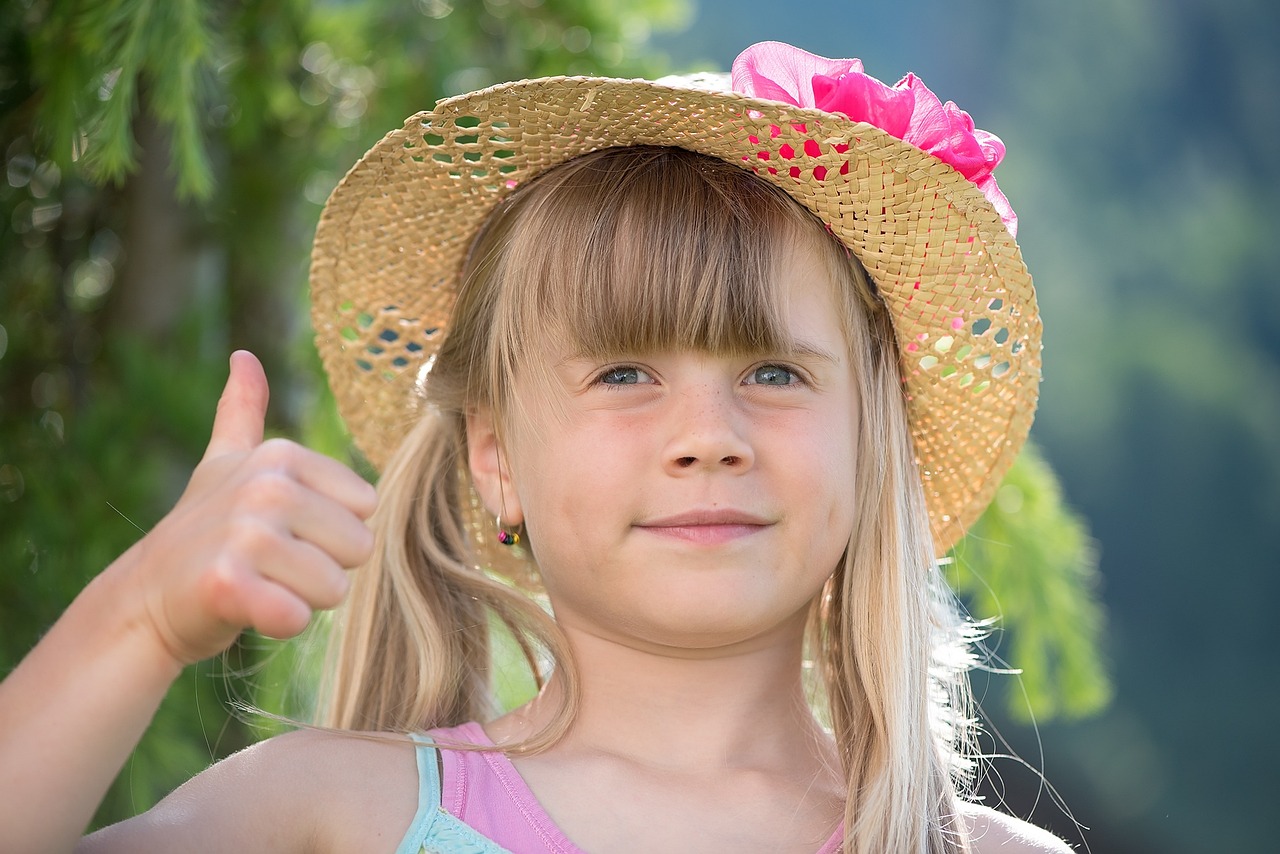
(165, 163)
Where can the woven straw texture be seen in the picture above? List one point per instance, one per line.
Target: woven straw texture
(394, 234)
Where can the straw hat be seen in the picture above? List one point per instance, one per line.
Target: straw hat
(939, 245)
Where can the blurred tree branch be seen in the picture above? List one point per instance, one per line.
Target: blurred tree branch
(1029, 567)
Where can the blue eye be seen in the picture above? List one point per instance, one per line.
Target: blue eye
(772, 375)
(624, 375)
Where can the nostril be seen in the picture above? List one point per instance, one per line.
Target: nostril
(730, 461)
(685, 462)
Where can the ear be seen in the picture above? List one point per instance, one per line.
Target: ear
(489, 469)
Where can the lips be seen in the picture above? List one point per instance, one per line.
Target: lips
(710, 527)
(695, 518)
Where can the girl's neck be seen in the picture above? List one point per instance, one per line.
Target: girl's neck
(743, 706)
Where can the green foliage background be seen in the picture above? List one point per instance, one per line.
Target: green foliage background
(164, 165)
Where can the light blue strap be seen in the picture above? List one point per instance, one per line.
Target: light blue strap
(428, 796)
(435, 830)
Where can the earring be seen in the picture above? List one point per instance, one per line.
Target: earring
(507, 536)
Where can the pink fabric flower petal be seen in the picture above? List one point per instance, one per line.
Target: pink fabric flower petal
(784, 73)
(908, 110)
(863, 98)
(948, 133)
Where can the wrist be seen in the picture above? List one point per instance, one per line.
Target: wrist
(113, 610)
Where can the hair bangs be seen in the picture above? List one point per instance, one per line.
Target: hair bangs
(644, 249)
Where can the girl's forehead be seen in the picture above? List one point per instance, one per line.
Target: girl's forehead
(797, 300)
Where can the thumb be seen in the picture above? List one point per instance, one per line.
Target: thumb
(242, 409)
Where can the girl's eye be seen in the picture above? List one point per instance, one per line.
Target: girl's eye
(624, 375)
(772, 375)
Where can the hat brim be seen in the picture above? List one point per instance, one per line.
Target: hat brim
(394, 234)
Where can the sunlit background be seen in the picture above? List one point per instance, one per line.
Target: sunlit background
(162, 176)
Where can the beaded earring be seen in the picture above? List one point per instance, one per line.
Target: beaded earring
(507, 536)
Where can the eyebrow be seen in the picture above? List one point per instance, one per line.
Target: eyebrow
(804, 349)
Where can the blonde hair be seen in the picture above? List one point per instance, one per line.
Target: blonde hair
(631, 250)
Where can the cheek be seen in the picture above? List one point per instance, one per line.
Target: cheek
(837, 469)
(559, 485)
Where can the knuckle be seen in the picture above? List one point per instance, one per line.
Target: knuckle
(250, 538)
(221, 586)
(295, 622)
(282, 618)
(362, 544)
(280, 453)
(366, 500)
(326, 582)
(334, 591)
(269, 488)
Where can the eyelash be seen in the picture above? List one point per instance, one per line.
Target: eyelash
(797, 375)
(614, 369)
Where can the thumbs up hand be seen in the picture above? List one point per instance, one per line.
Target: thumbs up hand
(260, 537)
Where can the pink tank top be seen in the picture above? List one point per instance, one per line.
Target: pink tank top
(480, 803)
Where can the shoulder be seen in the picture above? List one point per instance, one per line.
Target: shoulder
(308, 790)
(993, 832)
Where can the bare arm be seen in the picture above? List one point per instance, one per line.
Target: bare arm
(309, 791)
(259, 539)
(993, 832)
(70, 714)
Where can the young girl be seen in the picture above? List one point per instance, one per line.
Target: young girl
(719, 373)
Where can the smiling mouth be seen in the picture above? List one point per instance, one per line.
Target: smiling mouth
(710, 527)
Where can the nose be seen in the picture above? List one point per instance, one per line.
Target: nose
(707, 434)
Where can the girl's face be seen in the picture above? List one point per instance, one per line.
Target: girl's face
(687, 499)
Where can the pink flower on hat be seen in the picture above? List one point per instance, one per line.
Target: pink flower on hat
(907, 110)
